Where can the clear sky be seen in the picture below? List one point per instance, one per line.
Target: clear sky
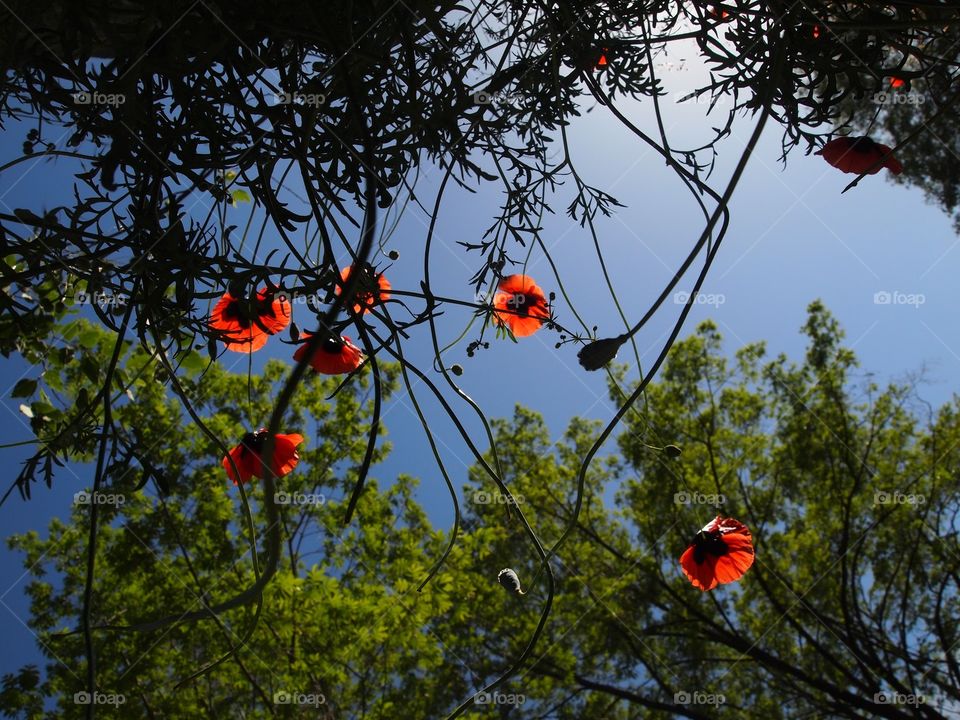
(793, 239)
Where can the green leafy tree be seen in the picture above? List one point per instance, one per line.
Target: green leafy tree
(850, 609)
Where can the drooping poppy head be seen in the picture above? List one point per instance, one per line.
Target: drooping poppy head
(331, 356)
(859, 155)
(720, 553)
(520, 304)
(598, 353)
(509, 579)
(372, 288)
(245, 323)
(718, 13)
(247, 455)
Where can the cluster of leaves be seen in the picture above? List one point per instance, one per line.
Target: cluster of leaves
(850, 596)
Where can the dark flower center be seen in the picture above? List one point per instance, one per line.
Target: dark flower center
(708, 543)
(520, 303)
(253, 442)
(246, 311)
(332, 345)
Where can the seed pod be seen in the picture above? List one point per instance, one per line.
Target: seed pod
(456, 369)
(595, 355)
(508, 578)
(672, 450)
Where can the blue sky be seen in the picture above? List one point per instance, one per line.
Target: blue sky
(793, 239)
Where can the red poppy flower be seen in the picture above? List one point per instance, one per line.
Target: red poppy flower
(372, 289)
(816, 32)
(246, 323)
(520, 305)
(897, 82)
(247, 455)
(718, 13)
(331, 356)
(858, 155)
(720, 553)
(602, 60)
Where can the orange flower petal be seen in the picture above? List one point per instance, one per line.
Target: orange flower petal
(520, 304)
(332, 357)
(373, 289)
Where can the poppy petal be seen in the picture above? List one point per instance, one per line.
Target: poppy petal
(242, 461)
(366, 295)
(520, 304)
(346, 358)
(273, 312)
(720, 553)
(285, 456)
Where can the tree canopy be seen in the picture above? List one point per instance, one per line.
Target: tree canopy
(849, 611)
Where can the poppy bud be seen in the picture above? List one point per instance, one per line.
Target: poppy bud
(672, 451)
(294, 332)
(595, 355)
(508, 578)
(457, 369)
(393, 255)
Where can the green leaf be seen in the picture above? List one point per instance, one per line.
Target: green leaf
(25, 387)
(193, 362)
(239, 196)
